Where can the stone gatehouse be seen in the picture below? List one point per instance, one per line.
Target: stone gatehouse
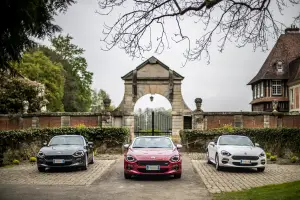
(154, 77)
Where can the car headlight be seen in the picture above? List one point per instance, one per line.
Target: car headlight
(262, 154)
(130, 158)
(175, 158)
(40, 154)
(79, 153)
(225, 153)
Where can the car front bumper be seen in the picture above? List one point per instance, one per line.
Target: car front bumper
(232, 161)
(69, 161)
(136, 168)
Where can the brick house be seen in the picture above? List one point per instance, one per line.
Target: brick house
(278, 80)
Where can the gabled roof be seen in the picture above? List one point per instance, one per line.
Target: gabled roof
(152, 60)
(294, 71)
(286, 49)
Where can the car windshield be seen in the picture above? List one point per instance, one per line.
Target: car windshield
(66, 140)
(152, 142)
(235, 140)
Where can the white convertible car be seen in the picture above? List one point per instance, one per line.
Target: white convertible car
(236, 151)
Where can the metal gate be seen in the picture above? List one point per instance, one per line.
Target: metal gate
(153, 123)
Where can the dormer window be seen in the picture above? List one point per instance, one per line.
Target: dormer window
(279, 66)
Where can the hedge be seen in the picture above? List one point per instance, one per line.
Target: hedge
(15, 139)
(272, 140)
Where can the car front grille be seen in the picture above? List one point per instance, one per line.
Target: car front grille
(239, 164)
(153, 162)
(163, 170)
(65, 157)
(245, 157)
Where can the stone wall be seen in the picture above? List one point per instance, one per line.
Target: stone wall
(201, 120)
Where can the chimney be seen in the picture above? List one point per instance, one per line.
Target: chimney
(292, 29)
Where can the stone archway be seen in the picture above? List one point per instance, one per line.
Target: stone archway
(153, 77)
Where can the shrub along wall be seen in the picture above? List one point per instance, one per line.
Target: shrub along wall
(282, 142)
(22, 144)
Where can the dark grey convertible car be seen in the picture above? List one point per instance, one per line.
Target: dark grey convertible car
(66, 151)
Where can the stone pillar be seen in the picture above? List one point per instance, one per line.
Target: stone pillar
(128, 122)
(198, 121)
(177, 123)
(35, 122)
(238, 121)
(266, 121)
(65, 121)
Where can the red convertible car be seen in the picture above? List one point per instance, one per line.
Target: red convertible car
(152, 155)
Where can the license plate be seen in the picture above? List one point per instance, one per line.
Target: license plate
(152, 167)
(245, 161)
(58, 161)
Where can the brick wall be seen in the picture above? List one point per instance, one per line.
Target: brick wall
(210, 120)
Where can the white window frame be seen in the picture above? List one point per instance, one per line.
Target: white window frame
(258, 90)
(279, 66)
(262, 89)
(276, 84)
(255, 91)
(292, 96)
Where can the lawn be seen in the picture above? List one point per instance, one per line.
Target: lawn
(286, 191)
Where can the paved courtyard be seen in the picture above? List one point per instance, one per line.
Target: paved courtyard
(239, 179)
(28, 174)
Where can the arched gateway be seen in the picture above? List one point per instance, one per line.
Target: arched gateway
(154, 77)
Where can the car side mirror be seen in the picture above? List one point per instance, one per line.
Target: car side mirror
(256, 144)
(178, 146)
(212, 144)
(126, 146)
(45, 144)
(90, 144)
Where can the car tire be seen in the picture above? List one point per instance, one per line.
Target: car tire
(127, 176)
(208, 160)
(218, 168)
(86, 162)
(41, 169)
(261, 169)
(177, 176)
(93, 159)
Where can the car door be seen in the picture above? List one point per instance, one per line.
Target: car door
(89, 149)
(213, 148)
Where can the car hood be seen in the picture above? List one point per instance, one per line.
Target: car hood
(152, 153)
(61, 149)
(241, 150)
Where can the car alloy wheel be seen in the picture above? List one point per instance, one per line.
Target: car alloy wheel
(93, 159)
(127, 176)
(86, 162)
(208, 160)
(261, 169)
(41, 169)
(218, 168)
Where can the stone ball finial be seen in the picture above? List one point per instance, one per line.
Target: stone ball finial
(106, 102)
(198, 102)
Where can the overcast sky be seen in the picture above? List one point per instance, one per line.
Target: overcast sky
(221, 84)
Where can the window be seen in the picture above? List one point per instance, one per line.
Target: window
(279, 66)
(262, 89)
(292, 96)
(254, 91)
(276, 87)
(258, 90)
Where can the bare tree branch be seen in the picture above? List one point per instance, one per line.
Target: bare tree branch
(238, 21)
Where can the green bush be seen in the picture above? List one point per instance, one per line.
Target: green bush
(273, 158)
(32, 159)
(16, 162)
(268, 155)
(270, 139)
(13, 140)
(294, 159)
